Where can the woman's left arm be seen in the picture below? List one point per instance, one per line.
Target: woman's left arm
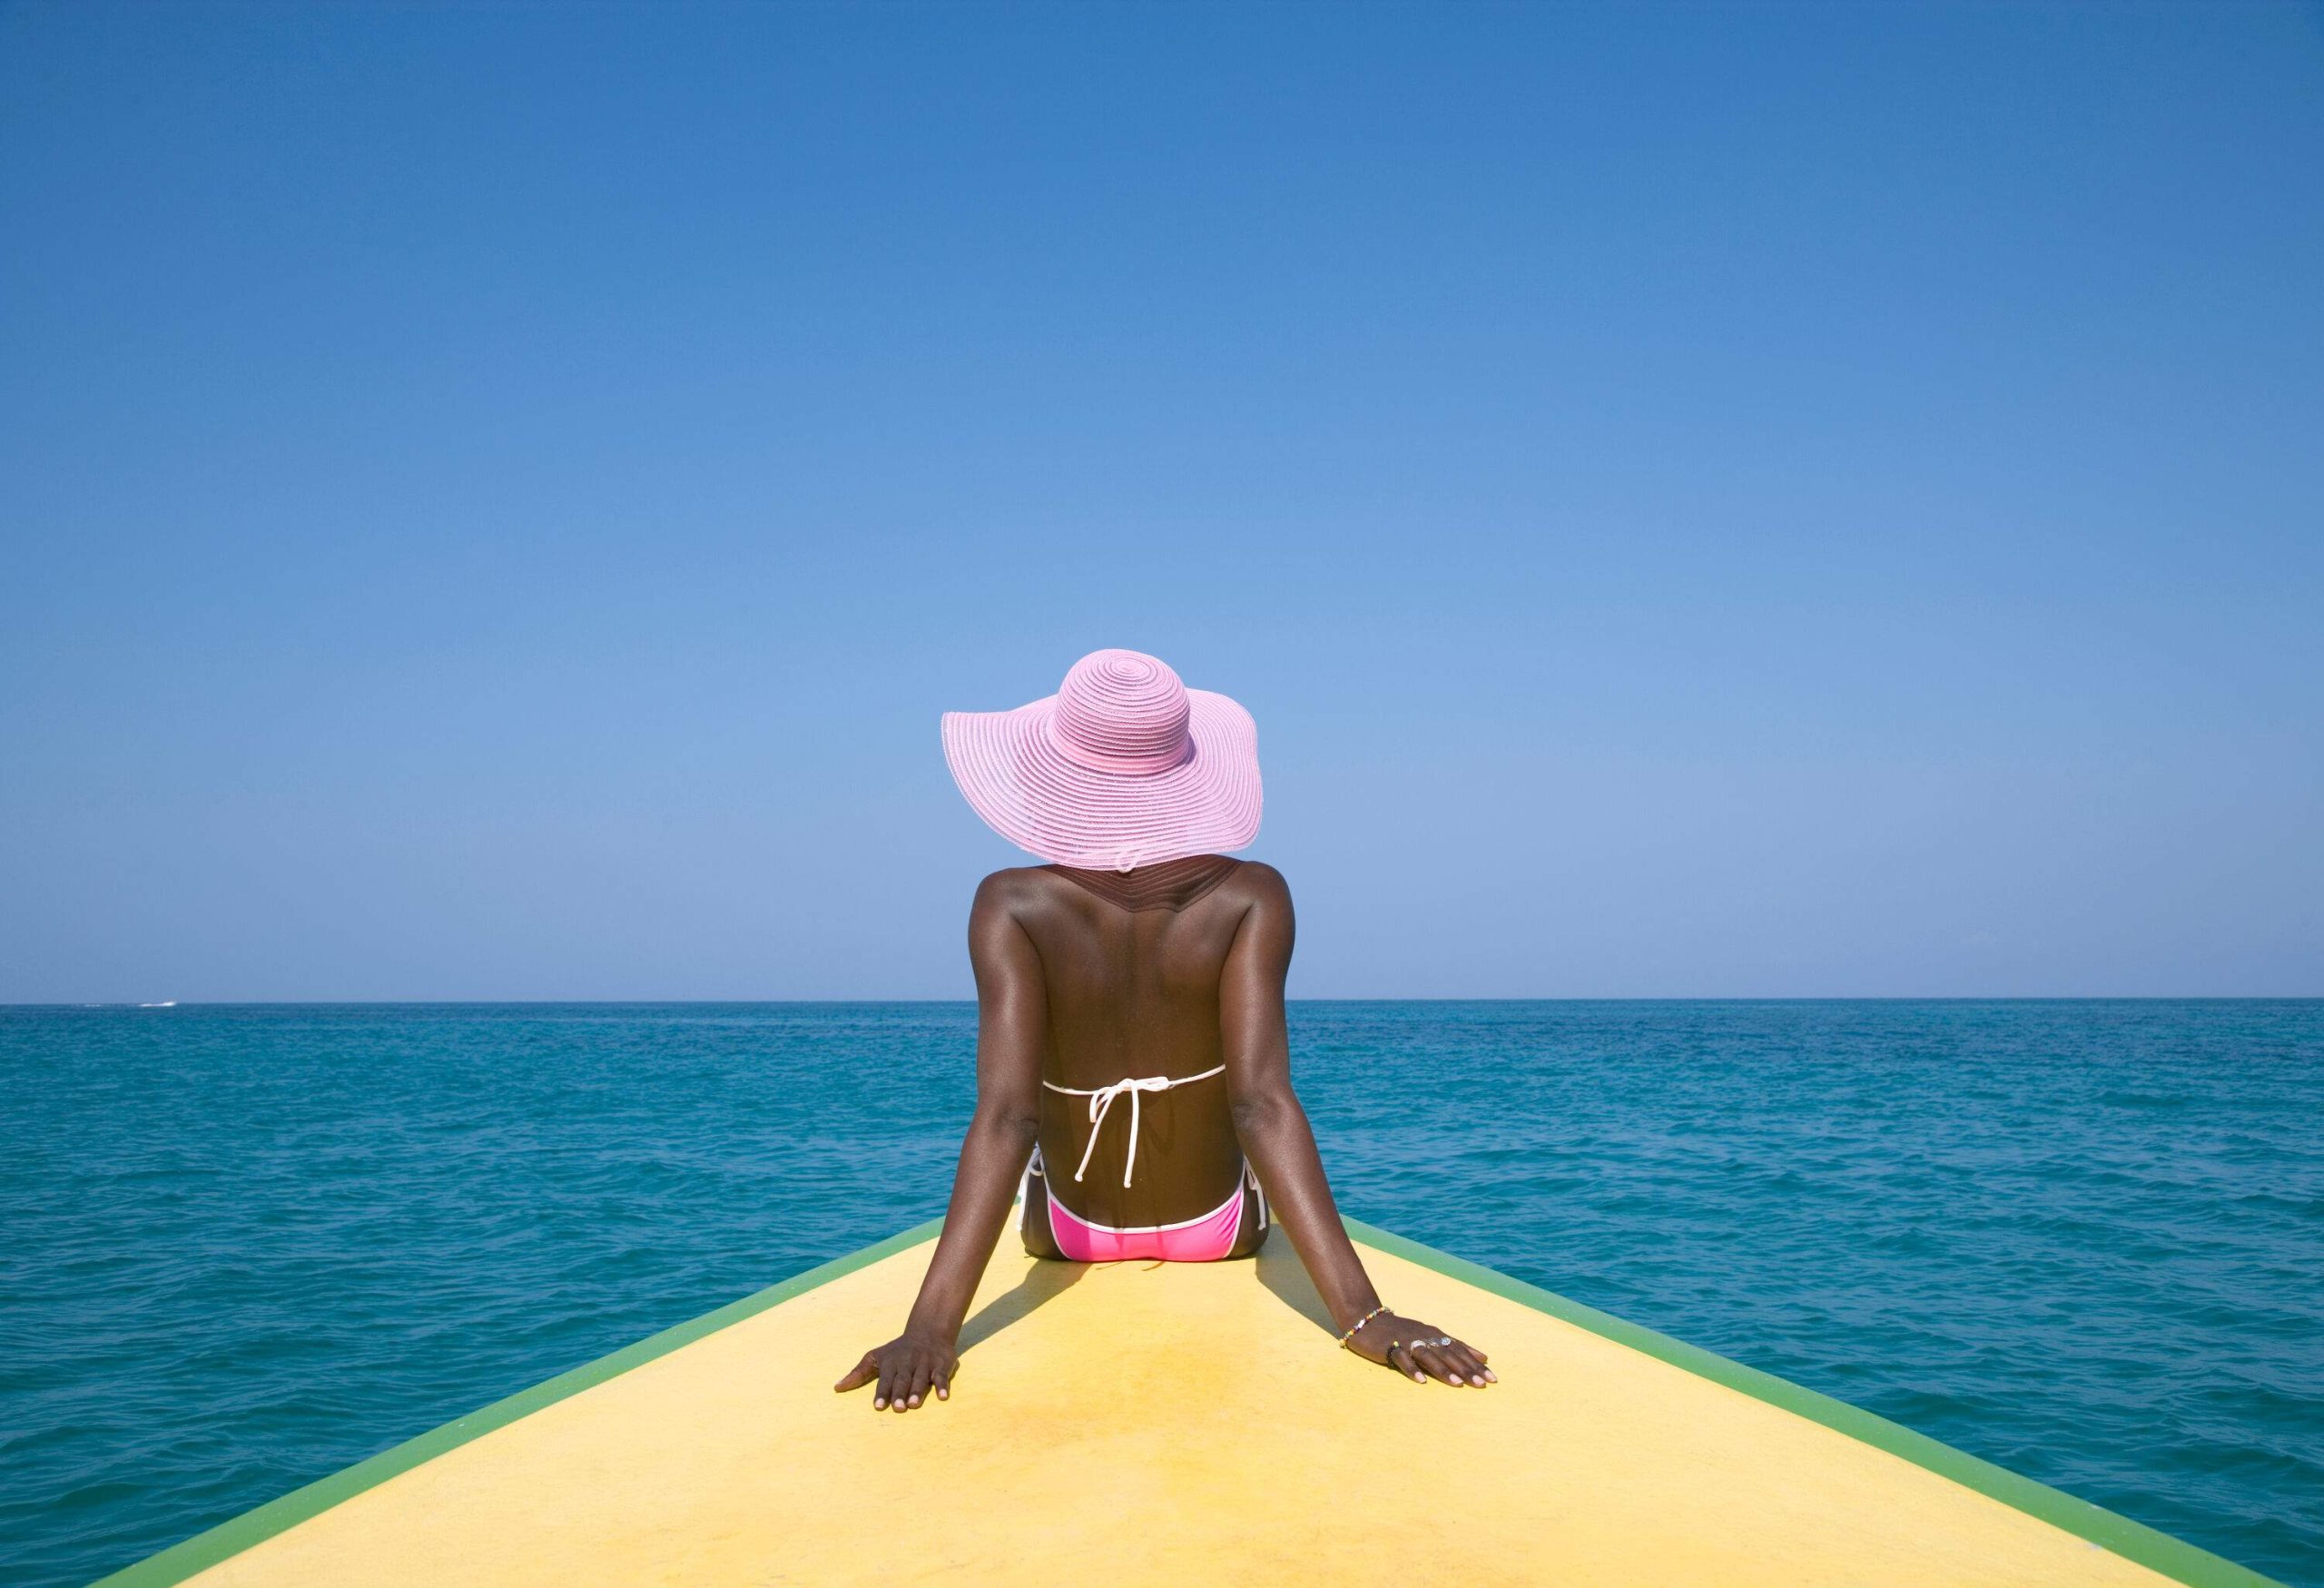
(1281, 1146)
(1011, 1020)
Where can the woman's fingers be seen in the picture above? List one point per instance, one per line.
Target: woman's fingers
(906, 1378)
(1429, 1353)
(1451, 1361)
(1439, 1364)
(895, 1380)
(1475, 1361)
(906, 1372)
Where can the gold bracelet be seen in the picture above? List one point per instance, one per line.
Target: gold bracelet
(1359, 1323)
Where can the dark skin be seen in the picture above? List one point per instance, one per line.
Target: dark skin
(1169, 970)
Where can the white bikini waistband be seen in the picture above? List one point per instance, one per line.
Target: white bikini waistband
(1249, 1177)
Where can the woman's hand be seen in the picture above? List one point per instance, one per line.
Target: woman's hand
(1413, 1348)
(907, 1368)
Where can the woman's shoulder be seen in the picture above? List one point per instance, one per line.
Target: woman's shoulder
(1260, 878)
(1015, 887)
(1014, 884)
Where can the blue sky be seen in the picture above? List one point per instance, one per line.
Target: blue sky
(1726, 501)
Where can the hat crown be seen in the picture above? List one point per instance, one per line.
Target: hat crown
(1123, 711)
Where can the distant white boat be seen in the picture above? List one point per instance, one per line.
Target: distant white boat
(165, 1003)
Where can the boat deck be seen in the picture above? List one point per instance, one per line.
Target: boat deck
(1180, 1423)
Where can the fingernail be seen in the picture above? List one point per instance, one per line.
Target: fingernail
(878, 1405)
(915, 1400)
(1490, 1377)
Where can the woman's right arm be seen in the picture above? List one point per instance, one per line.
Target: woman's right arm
(1012, 1017)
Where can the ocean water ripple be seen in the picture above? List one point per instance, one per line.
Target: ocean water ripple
(248, 1246)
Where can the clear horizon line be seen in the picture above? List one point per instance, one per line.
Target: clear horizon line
(970, 1000)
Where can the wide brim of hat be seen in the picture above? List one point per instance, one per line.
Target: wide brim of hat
(1032, 793)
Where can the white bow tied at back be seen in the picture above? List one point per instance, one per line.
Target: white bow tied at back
(1102, 1100)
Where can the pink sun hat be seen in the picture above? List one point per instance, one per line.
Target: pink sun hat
(1123, 766)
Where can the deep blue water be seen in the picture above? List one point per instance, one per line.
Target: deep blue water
(243, 1247)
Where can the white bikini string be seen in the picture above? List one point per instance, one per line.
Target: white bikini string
(1101, 1103)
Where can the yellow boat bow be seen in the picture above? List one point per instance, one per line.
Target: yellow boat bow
(1172, 1424)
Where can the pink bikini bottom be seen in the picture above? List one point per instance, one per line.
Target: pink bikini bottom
(1205, 1239)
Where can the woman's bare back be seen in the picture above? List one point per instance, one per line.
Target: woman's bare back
(1131, 966)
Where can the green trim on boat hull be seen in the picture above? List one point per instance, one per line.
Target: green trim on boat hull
(2133, 1541)
(229, 1538)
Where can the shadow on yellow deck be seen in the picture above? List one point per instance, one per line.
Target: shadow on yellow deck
(1178, 1423)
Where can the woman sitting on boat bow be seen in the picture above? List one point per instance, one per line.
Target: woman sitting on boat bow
(1130, 1037)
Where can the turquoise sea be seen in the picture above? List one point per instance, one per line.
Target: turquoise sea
(241, 1246)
